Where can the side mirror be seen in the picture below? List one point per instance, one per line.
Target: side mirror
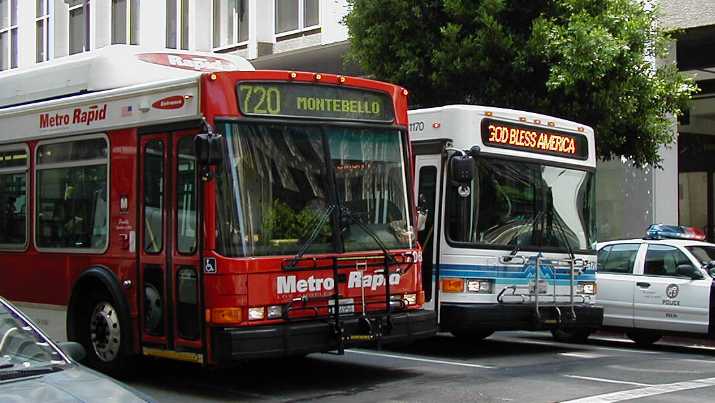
(74, 350)
(207, 147)
(462, 168)
(688, 270)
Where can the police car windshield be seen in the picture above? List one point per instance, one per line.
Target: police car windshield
(704, 254)
(527, 205)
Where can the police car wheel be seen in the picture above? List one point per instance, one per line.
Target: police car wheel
(643, 338)
(571, 335)
(472, 335)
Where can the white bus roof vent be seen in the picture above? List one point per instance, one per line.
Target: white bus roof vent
(108, 68)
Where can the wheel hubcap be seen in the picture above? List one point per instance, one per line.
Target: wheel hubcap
(104, 331)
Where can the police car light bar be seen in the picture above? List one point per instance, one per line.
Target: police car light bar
(661, 231)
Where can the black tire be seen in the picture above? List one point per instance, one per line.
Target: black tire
(472, 335)
(571, 335)
(643, 338)
(104, 333)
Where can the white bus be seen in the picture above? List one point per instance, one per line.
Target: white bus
(509, 238)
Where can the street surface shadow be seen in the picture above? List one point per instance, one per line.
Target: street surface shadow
(448, 346)
(310, 378)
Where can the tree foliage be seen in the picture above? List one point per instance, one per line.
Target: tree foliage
(591, 61)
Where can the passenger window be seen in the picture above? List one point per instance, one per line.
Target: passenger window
(72, 208)
(13, 199)
(619, 258)
(663, 260)
(154, 196)
(186, 197)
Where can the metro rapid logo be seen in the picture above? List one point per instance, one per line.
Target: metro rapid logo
(80, 115)
(291, 284)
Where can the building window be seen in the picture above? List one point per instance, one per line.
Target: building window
(8, 34)
(125, 22)
(72, 209)
(177, 24)
(42, 30)
(13, 198)
(292, 15)
(230, 22)
(78, 26)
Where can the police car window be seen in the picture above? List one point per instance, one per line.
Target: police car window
(602, 257)
(663, 260)
(619, 258)
(704, 254)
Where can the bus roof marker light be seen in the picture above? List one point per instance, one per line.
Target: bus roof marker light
(552, 124)
(436, 125)
(293, 75)
(581, 129)
(522, 119)
(488, 113)
(341, 79)
(537, 121)
(213, 77)
(318, 76)
(405, 92)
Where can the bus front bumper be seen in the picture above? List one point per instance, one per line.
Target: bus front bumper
(517, 317)
(305, 337)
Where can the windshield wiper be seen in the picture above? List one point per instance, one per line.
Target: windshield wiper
(345, 212)
(18, 371)
(561, 230)
(531, 222)
(316, 228)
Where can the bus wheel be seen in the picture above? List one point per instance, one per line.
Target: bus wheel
(642, 338)
(571, 335)
(101, 334)
(472, 335)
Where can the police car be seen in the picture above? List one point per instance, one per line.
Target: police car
(658, 285)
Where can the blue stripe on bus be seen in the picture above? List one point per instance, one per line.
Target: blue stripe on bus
(512, 273)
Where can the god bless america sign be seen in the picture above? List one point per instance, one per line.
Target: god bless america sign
(534, 139)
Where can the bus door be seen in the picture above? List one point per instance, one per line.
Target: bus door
(428, 194)
(169, 247)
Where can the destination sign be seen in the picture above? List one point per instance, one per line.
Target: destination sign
(534, 139)
(293, 100)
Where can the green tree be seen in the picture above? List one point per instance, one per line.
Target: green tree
(591, 61)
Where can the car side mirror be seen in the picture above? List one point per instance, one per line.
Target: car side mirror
(688, 270)
(73, 349)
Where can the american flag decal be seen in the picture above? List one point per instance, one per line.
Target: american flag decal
(126, 111)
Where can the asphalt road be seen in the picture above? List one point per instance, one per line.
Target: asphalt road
(510, 366)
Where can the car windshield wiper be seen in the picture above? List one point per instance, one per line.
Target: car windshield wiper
(346, 213)
(316, 225)
(13, 371)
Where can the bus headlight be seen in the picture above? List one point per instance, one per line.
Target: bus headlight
(480, 286)
(410, 299)
(586, 287)
(275, 312)
(256, 313)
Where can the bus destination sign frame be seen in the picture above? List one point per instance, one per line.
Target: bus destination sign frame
(534, 139)
(275, 99)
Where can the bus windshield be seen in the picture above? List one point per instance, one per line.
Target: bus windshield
(283, 180)
(516, 204)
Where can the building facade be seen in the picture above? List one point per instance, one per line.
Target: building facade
(300, 34)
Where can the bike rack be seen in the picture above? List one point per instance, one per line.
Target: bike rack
(374, 322)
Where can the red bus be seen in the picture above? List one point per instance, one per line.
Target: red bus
(183, 205)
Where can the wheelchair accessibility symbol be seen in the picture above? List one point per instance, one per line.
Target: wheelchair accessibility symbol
(210, 265)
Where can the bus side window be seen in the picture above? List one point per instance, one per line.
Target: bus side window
(13, 199)
(72, 209)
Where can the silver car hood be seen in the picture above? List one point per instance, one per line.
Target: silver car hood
(72, 385)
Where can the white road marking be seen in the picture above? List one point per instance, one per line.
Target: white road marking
(646, 391)
(700, 361)
(408, 358)
(571, 346)
(654, 370)
(589, 378)
(583, 355)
